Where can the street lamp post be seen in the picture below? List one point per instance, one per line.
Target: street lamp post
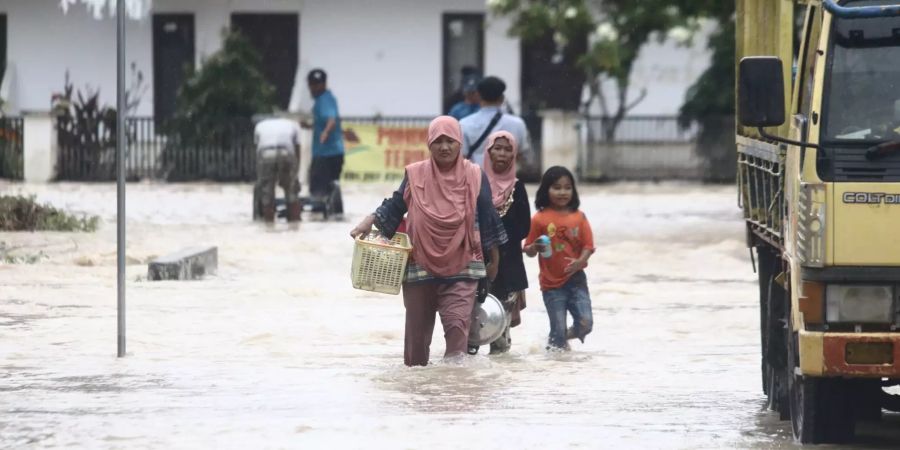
(120, 170)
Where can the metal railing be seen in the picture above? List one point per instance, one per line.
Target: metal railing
(639, 130)
(154, 151)
(639, 148)
(159, 152)
(12, 151)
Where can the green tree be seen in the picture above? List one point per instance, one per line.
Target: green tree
(213, 119)
(710, 101)
(229, 86)
(615, 30)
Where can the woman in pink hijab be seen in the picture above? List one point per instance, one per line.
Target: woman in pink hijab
(511, 202)
(452, 223)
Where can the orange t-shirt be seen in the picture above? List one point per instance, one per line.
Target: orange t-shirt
(569, 233)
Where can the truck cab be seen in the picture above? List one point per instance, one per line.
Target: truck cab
(819, 179)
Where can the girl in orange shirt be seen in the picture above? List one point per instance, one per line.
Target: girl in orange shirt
(562, 278)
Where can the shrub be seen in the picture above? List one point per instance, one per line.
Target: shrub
(20, 213)
(213, 120)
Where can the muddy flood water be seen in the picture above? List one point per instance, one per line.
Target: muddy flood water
(278, 350)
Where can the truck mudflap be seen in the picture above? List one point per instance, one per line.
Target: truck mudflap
(866, 355)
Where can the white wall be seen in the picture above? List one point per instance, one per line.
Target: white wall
(385, 56)
(43, 42)
(382, 56)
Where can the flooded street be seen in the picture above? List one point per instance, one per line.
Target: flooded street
(279, 351)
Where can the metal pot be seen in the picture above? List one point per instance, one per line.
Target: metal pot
(489, 319)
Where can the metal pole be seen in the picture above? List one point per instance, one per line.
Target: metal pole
(120, 169)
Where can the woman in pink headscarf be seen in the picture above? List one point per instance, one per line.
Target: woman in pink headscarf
(453, 225)
(511, 202)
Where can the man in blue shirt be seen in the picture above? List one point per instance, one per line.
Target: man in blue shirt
(328, 140)
(472, 102)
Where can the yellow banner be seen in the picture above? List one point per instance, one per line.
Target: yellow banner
(379, 153)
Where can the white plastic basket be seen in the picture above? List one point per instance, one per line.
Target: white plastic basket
(380, 266)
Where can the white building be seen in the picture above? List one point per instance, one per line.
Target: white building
(389, 57)
(384, 56)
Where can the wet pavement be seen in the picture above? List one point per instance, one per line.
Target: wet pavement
(279, 351)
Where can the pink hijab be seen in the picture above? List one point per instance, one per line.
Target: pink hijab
(442, 208)
(502, 184)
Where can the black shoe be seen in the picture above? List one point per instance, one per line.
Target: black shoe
(473, 350)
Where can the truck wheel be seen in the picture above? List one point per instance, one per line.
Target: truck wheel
(821, 408)
(868, 397)
(764, 271)
(775, 350)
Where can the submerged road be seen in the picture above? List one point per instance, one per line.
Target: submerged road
(278, 351)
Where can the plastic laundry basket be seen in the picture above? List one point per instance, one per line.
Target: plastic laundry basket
(379, 265)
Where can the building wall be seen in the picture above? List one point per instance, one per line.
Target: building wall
(43, 43)
(383, 57)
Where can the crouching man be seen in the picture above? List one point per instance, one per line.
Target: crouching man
(278, 161)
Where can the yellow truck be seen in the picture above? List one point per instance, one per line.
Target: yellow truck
(818, 141)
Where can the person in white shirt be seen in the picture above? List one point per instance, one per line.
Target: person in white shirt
(277, 161)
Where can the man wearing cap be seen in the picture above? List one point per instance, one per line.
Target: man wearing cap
(472, 102)
(328, 140)
(491, 118)
(277, 161)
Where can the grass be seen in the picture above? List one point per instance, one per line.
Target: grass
(20, 213)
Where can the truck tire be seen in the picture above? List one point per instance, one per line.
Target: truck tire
(821, 408)
(766, 260)
(868, 398)
(776, 350)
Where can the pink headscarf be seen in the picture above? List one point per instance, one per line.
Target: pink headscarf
(502, 184)
(442, 207)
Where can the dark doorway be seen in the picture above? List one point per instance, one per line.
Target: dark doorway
(463, 36)
(2, 47)
(173, 59)
(550, 79)
(275, 37)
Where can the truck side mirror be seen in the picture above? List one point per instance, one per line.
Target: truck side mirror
(760, 92)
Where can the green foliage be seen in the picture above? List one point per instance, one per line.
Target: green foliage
(229, 87)
(19, 213)
(616, 32)
(86, 128)
(212, 128)
(713, 93)
(710, 101)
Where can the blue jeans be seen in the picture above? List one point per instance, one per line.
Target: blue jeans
(574, 298)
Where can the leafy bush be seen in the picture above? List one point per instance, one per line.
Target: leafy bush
(213, 120)
(86, 129)
(20, 213)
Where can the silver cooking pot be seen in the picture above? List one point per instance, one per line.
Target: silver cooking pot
(489, 319)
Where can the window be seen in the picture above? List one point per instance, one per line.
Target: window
(862, 85)
(463, 49)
